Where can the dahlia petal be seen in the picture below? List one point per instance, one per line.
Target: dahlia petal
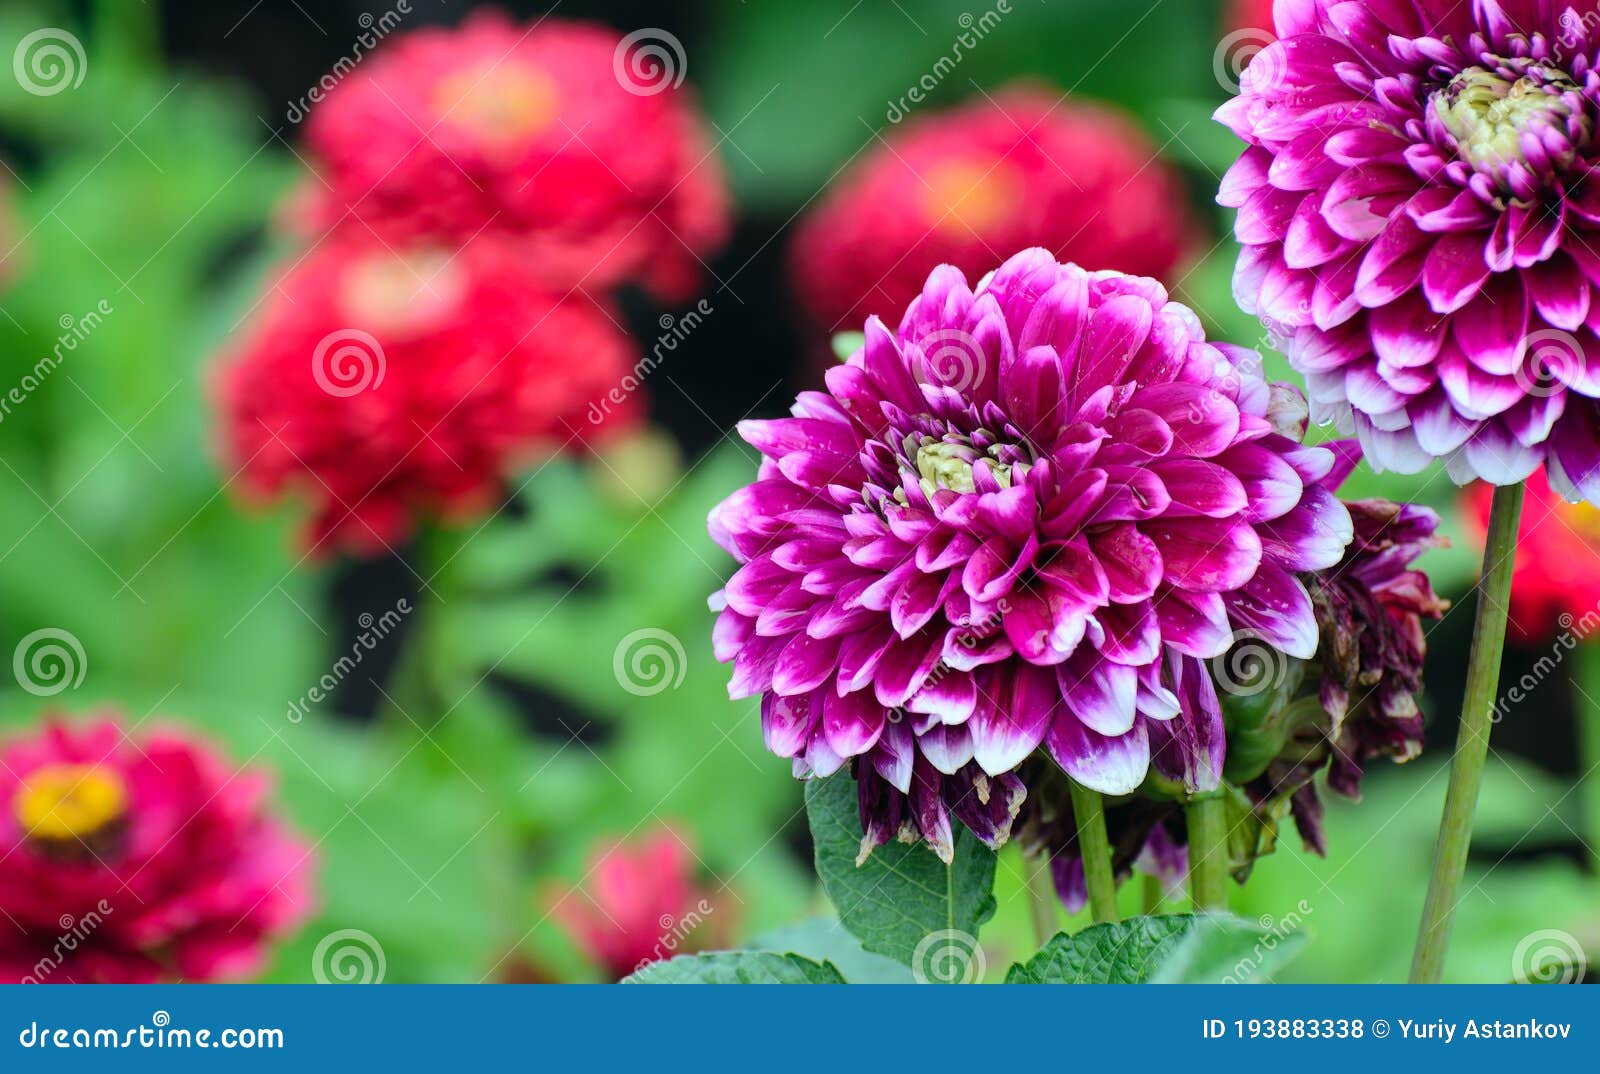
(1202, 419)
(1206, 555)
(787, 723)
(1006, 730)
(1201, 487)
(1275, 607)
(1194, 623)
(949, 697)
(1099, 693)
(892, 757)
(1130, 633)
(947, 747)
(853, 722)
(1311, 537)
(1131, 562)
(804, 664)
(1454, 270)
(1271, 485)
(1110, 765)
(1490, 328)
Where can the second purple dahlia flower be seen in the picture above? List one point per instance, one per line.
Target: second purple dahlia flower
(1420, 217)
(1026, 518)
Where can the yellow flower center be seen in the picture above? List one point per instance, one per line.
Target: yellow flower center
(1488, 114)
(966, 196)
(390, 293)
(65, 802)
(504, 105)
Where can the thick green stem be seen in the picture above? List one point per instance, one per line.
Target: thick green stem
(1095, 847)
(1207, 820)
(1153, 896)
(1042, 900)
(1587, 704)
(1472, 742)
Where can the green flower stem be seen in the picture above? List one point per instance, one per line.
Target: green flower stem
(1095, 847)
(1472, 742)
(1207, 820)
(1587, 674)
(1153, 896)
(1042, 900)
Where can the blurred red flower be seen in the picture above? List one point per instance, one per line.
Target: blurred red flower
(386, 387)
(578, 142)
(136, 860)
(1250, 15)
(635, 905)
(971, 186)
(1556, 580)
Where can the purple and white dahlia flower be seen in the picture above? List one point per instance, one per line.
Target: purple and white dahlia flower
(1026, 518)
(1420, 215)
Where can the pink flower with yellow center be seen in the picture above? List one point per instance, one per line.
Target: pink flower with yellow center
(127, 860)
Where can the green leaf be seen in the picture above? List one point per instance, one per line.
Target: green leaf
(1172, 949)
(825, 940)
(1127, 952)
(737, 967)
(1222, 949)
(901, 898)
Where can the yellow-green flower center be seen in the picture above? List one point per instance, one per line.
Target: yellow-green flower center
(1488, 113)
(62, 803)
(947, 465)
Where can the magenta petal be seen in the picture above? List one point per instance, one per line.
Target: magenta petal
(1131, 633)
(1274, 606)
(1200, 487)
(1130, 560)
(1191, 746)
(1206, 555)
(1454, 271)
(1110, 765)
(852, 722)
(1099, 693)
(787, 723)
(1194, 623)
(950, 697)
(947, 747)
(1005, 730)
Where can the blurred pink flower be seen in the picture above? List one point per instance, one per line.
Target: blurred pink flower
(129, 860)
